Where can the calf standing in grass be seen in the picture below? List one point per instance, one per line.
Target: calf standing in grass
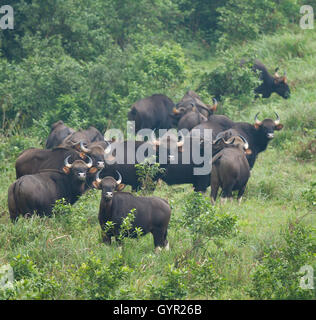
(152, 213)
(230, 169)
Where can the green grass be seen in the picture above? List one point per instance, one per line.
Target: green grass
(59, 246)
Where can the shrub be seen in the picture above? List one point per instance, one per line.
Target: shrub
(277, 276)
(205, 221)
(230, 80)
(147, 173)
(96, 279)
(29, 281)
(238, 21)
(174, 286)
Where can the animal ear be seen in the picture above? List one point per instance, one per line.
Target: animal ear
(248, 151)
(278, 127)
(120, 187)
(82, 155)
(284, 79)
(66, 170)
(96, 184)
(257, 125)
(93, 170)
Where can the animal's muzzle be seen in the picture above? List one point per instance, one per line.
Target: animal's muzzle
(82, 176)
(100, 164)
(270, 135)
(108, 196)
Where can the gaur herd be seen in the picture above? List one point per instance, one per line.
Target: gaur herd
(75, 161)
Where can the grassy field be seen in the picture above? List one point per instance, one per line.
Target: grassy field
(63, 257)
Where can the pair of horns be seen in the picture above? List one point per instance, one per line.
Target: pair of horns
(276, 122)
(69, 165)
(98, 180)
(231, 140)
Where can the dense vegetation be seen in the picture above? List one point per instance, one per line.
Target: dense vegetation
(86, 62)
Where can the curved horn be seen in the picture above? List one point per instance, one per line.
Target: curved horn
(89, 164)
(181, 142)
(256, 118)
(120, 178)
(246, 144)
(276, 75)
(97, 178)
(83, 148)
(67, 164)
(277, 121)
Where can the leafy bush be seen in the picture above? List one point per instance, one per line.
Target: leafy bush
(230, 80)
(29, 281)
(206, 222)
(147, 173)
(195, 279)
(174, 286)
(241, 20)
(98, 280)
(277, 275)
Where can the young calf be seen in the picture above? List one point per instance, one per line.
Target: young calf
(152, 213)
(230, 169)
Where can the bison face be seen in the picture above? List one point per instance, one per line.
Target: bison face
(108, 185)
(97, 154)
(78, 169)
(267, 127)
(281, 87)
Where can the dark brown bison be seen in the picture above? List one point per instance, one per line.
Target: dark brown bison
(59, 131)
(230, 169)
(152, 112)
(152, 213)
(258, 134)
(270, 84)
(37, 193)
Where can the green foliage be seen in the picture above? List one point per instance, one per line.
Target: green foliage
(241, 20)
(230, 81)
(205, 221)
(147, 173)
(96, 280)
(309, 196)
(173, 287)
(29, 281)
(196, 279)
(277, 275)
(126, 228)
